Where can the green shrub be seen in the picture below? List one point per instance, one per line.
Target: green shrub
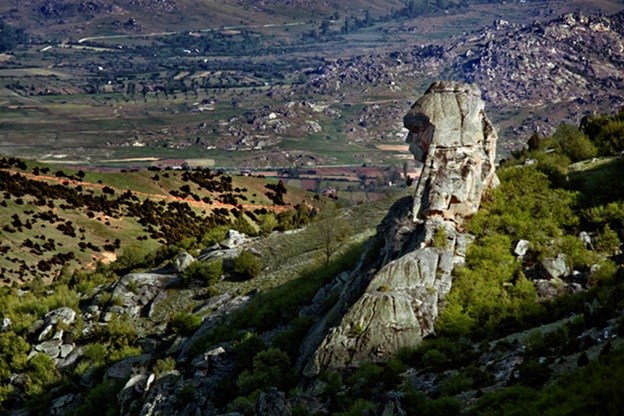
(186, 395)
(608, 241)
(610, 139)
(244, 405)
(132, 257)
(13, 354)
(164, 365)
(271, 368)
(574, 143)
(246, 266)
(535, 343)
(595, 389)
(279, 306)
(416, 403)
(514, 400)
(605, 273)
(121, 353)
(367, 373)
(97, 353)
(455, 384)
(101, 400)
(358, 408)
(120, 331)
(290, 340)
(246, 349)
(577, 255)
(242, 225)
(268, 223)
(532, 373)
(215, 235)
(209, 272)
(41, 372)
(612, 212)
(440, 238)
(555, 166)
(185, 323)
(435, 359)
(525, 207)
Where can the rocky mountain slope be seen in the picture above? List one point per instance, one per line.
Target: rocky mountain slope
(568, 65)
(566, 68)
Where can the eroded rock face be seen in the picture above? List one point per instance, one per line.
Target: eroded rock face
(451, 135)
(393, 302)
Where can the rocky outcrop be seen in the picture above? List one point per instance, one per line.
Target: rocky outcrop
(393, 302)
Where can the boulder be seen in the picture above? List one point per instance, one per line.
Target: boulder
(234, 239)
(50, 348)
(550, 288)
(272, 403)
(392, 299)
(161, 398)
(522, 247)
(182, 261)
(553, 268)
(125, 368)
(59, 317)
(64, 315)
(6, 324)
(136, 292)
(586, 239)
(64, 405)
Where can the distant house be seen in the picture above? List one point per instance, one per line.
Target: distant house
(329, 191)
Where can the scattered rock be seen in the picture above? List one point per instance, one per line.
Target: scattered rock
(136, 291)
(586, 239)
(522, 247)
(555, 267)
(64, 405)
(6, 324)
(234, 239)
(125, 368)
(272, 403)
(182, 261)
(550, 288)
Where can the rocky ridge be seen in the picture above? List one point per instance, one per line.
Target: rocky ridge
(394, 302)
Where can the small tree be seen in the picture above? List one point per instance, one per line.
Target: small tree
(185, 323)
(246, 266)
(331, 231)
(208, 272)
(268, 223)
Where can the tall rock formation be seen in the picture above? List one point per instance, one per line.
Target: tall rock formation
(391, 299)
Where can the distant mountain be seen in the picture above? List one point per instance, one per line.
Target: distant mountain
(566, 65)
(93, 17)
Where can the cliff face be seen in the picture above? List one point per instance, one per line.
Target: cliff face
(391, 299)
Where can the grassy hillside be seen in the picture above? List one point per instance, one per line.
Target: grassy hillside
(57, 219)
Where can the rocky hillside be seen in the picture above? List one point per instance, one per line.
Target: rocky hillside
(470, 298)
(568, 65)
(566, 68)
